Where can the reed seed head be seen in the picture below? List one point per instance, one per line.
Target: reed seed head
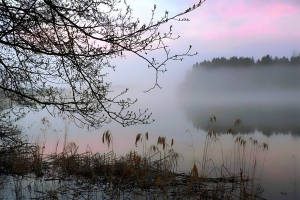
(238, 139)
(107, 137)
(237, 122)
(265, 146)
(213, 119)
(230, 131)
(161, 140)
(138, 138)
(153, 148)
(146, 135)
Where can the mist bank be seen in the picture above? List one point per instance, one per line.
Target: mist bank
(266, 99)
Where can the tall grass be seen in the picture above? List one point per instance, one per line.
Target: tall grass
(151, 175)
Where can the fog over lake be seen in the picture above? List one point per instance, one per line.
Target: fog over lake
(265, 98)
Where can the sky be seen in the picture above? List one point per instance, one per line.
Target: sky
(217, 28)
(233, 28)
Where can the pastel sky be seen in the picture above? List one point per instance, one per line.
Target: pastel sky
(217, 28)
(233, 28)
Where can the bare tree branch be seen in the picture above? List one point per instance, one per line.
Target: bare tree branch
(53, 54)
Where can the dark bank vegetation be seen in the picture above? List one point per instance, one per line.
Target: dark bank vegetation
(246, 61)
(28, 173)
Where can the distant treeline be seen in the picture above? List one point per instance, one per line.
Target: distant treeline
(245, 61)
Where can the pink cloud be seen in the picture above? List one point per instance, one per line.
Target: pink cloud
(240, 9)
(245, 21)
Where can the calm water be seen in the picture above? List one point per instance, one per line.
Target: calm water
(266, 100)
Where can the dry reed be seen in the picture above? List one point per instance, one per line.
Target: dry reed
(151, 175)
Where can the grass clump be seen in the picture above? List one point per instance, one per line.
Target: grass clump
(152, 174)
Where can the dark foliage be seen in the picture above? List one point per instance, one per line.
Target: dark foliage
(245, 61)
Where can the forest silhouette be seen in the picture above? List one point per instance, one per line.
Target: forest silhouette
(246, 61)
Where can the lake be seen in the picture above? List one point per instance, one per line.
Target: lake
(265, 99)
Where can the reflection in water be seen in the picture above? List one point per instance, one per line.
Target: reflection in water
(264, 118)
(266, 99)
